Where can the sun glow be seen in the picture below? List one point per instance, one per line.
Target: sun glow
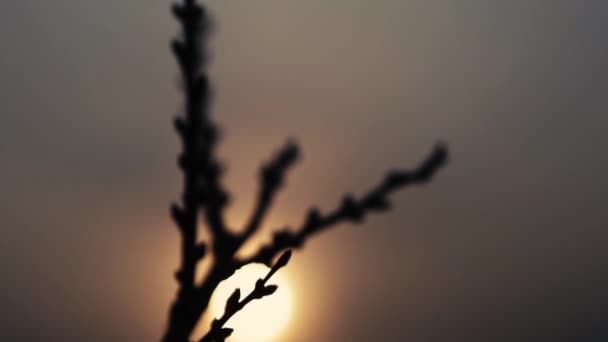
(261, 320)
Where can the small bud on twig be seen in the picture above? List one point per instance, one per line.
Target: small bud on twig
(178, 215)
(283, 260)
(199, 251)
(224, 333)
(268, 290)
(179, 276)
(233, 301)
(314, 218)
(351, 209)
(180, 126)
(178, 11)
(178, 49)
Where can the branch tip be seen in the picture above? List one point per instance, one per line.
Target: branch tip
(283, 260)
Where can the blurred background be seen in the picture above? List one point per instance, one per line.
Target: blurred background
(507, 244)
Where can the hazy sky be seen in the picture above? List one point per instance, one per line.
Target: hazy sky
(508, 244)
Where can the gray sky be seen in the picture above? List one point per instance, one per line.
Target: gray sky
(508, 244)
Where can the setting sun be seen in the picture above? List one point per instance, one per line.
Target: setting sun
(261, 320)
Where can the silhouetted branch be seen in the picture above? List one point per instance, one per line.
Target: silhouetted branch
(199, 136)
(202, 191)
(271, 180)
(233, 305)
(351, 209)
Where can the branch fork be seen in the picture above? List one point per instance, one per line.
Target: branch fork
(203, 195)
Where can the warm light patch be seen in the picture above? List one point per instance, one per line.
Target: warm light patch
(261, 320)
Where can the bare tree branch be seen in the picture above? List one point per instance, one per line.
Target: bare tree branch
(199, 135)
(233, 305)
(202, 191)
(351, 209)
(201, 188)
(271, 180)
(195, 156)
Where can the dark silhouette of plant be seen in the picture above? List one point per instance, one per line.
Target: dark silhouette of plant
(203, 193)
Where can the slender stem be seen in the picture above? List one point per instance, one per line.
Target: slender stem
(202, 192)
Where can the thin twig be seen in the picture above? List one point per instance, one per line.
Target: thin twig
(233, 305)
(351, 209)
(271, 180)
